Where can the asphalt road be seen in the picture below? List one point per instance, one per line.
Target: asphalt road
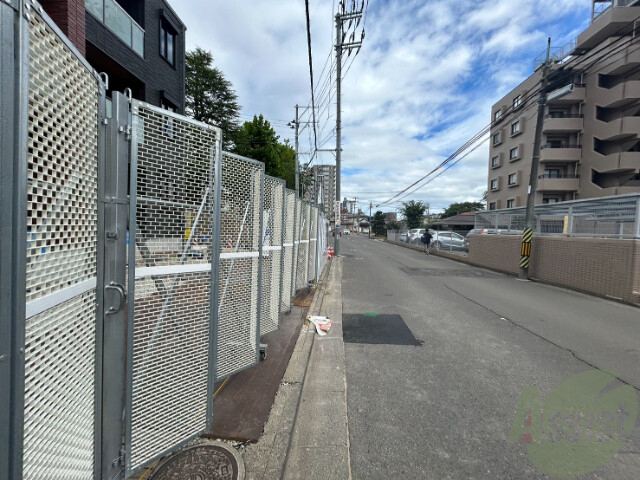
(444, 409)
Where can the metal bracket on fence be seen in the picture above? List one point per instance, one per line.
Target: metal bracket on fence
(105, 79)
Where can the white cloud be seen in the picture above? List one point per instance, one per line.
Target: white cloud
(422, 85)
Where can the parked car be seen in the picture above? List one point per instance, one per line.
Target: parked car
(403, 236)
(414, 235)
(448, 241)
(347, 231)
(365, 231)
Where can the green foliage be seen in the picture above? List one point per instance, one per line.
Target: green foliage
(287, 164)
(413, 212)
(209, 96)
(378, 223)
(457, 208)
(258, 140)
(393, 225)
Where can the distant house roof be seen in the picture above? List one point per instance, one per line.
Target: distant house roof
(463, 219)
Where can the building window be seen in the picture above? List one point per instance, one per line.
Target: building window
(495, 161)
(550, 200)
(167, 42)
(494, 184)
(552, 173)
(513, 153)
(511, 203)
(517, 101)
(515, 128)
(497, 115)
(513, 178)
(492, 206)
(496, 138)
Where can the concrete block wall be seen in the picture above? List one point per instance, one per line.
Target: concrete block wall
(605, 267)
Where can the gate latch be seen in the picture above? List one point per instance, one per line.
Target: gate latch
(121, 293)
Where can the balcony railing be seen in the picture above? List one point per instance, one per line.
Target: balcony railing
(603, 6)
(558, 175)
(551, 145)
(116, 19)
(564, 115)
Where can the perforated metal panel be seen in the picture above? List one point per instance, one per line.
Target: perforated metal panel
(288, 263)
(323, 258)
(302, 270)
(271, 254)
(313, 243)
(60, 342)
(172, 177)
(241, 209)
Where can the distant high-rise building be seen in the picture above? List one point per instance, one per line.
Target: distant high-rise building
(591, 136)
(323, 188)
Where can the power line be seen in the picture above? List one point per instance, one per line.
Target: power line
(313, 100)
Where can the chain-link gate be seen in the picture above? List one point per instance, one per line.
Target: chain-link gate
(272, 255)
(61, 265)
(288, 250)
(239, 281)
(171, 248)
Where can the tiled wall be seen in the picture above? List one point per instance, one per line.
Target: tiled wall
(604, 267)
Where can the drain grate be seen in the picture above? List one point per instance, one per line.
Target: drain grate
(379, 329)
(206, 462)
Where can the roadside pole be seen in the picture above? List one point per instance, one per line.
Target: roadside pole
(533, 179)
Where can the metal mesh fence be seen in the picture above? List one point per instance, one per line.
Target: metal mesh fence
(172, 178)
(323, 242)
(302, 260)
(313, 243)
(241, 210)
(271, 254)
(288, 250)
(615, 217)
(61, 259)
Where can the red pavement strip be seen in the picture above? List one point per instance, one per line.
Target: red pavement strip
(242, 408)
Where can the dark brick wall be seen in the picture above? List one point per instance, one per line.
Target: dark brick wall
(153, 71)
(69, 15)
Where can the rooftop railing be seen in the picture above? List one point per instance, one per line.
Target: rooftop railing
(116, 19)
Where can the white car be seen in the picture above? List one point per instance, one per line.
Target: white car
(347, 231)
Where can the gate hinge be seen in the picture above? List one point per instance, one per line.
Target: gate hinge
(112, 235)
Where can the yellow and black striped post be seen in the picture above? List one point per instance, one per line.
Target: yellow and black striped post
(526, 248)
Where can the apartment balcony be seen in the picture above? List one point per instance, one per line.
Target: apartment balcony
(615, 19)
(116, 19)
(566, 123)
(578, 95)
(617, 129)
(563, 154)
(561, 183)
(618, 96)
(621, 161)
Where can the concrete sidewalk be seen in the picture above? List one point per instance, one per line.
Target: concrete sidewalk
(307, 434)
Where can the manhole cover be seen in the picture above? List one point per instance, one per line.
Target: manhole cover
(202, 462)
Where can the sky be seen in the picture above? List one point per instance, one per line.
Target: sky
(422, 84)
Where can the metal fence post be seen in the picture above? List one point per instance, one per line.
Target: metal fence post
(283, 193)
(570, 221)
(260, 261)
(294, 261)
(216, 179)
(14, 38)
(112, 244)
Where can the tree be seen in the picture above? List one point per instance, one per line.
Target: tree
(378, 223)
(413, 212)
(393, 225)
(457, 208)
(258, 140)
(209, 96)
(287, 164)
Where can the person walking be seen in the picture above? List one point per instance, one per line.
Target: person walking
(426, 240)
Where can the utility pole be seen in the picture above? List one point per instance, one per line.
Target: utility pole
(370, 221)
(340, 46)
(533, 179)
(297, 154)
